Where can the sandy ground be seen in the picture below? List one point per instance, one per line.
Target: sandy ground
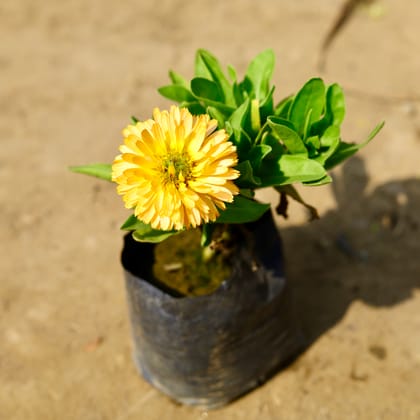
(71, 75)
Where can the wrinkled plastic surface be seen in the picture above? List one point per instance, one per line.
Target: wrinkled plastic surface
(209, 350)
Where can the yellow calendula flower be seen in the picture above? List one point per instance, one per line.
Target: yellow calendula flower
(176, 170)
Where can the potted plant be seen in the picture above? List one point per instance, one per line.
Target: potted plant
(210, 307)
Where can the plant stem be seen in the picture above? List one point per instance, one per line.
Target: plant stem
(261, 132)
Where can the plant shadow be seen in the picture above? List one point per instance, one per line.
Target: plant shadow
(366, 249)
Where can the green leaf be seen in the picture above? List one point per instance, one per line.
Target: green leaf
(242, 210)
(330, 137)
(259, 72)
(237, 122)
(238, 93)
(194, 107)
(247, 88)
(152, 236)
(310, 97)
(176, 93)
(243, 145)
(204, 88)
(239, 116)
(329, 142)
(335, 105)
(247, 178)
(277, 148)
(313, 143)
(267, 105)
(343, 152)
(232, 73)
(247, 192)
(257, 154)
(201, 68)
(307, 125)
(208, 67)
(282, 108)
(131, 223)
(98, 170)
(217, 115)
(289, 169)
(205, 103)
(177, 79)
(142, 232)
(335, 110)
(283, 130)
(346, 150)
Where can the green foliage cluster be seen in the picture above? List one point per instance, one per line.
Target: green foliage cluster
(297, 139)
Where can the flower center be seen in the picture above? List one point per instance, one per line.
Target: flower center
(176, 169)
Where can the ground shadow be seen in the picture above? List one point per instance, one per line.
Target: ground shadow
(367, 249)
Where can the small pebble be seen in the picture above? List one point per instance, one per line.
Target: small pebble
(378, 351)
